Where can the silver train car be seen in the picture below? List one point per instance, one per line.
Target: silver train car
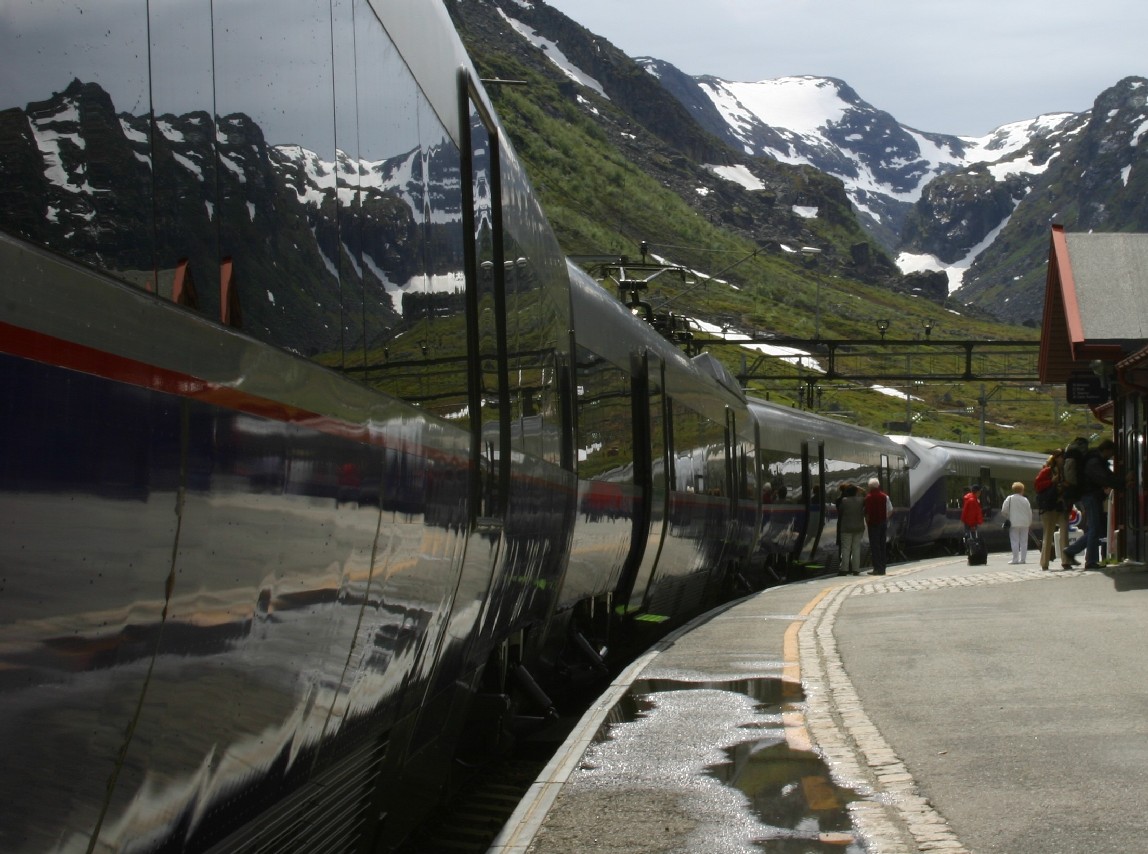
(940, 473)
(806, 462)
(286, 463)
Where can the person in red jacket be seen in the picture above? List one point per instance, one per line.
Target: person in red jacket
(877, 510)
(971, 513)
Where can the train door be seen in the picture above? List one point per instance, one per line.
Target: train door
(744, 493)
(652, 474)
(738, 479)
(486, 316)
(893, 523)
(757, 479)
(459, 649)
(733, 470)
(990, 493)
(813, 496)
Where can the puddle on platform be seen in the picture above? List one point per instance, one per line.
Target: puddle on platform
(792, 791)
(788, 789)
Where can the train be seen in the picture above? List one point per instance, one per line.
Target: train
(943, 472)
(323, 472)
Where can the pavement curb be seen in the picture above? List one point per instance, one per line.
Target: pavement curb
(893, 817)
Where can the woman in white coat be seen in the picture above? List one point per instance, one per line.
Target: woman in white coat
(1017, 515)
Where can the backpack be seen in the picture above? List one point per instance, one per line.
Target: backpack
(1047, 491)
(1074, 469)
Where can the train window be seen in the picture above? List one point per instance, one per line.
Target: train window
(660, 428)
(275, 209)
(751, 464)
(747, 472)
(839, 470)
(489, 306)
(605, 448)
(403, 239)
(957, 487)
(699, 453)
(533, 329)
(352, 179)
(76, 171)
(530, 357)
(183, 161)
(898, 483)
(782, 471)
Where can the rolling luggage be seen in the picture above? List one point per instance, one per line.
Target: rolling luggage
(977, 550)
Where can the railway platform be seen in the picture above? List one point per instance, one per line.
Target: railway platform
(941, 708)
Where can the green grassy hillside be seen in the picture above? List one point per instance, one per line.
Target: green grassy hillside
(607, 184)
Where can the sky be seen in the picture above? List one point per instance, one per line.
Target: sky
(957, 68)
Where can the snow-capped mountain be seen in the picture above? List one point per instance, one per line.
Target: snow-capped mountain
(1098, 182)
(950, 208)
(941, 202)
(884, 165)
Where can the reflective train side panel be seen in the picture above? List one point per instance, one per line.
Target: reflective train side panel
(666, 463)
(278, 314)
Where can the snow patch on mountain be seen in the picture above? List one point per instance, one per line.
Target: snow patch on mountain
(814, 120)
(884, 165)
(738, 175)
(909, 262)
(555, 54)
(802, 106)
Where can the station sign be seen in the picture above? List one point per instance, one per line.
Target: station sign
(1087, 389)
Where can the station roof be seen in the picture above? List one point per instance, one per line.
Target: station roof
(1096, 301)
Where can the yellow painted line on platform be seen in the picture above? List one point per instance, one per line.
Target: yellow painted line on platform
(796, 733)
(790, 652)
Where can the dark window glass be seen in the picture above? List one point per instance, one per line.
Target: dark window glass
(352, 170)
(840, 471)
(748, 472)
(75, 174)
(605, 448)
(699, 453)
(537, 301)
(183, 155)
(401, 231)
(275, 144)
(782, 473)
(659, 428)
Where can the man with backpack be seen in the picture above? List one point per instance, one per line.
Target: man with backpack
(1072, 470)
(1050, 502)
(1096, 480)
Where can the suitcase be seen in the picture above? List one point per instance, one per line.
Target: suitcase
(977, 550)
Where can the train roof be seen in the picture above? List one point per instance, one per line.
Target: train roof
(788, 427)
(606, 327)
(965, 452)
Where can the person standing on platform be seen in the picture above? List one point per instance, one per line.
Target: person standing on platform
(1049, 486)
(1017, 515)
(972, 515)
(851, 526)
(878, 509)
(1098, 479)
